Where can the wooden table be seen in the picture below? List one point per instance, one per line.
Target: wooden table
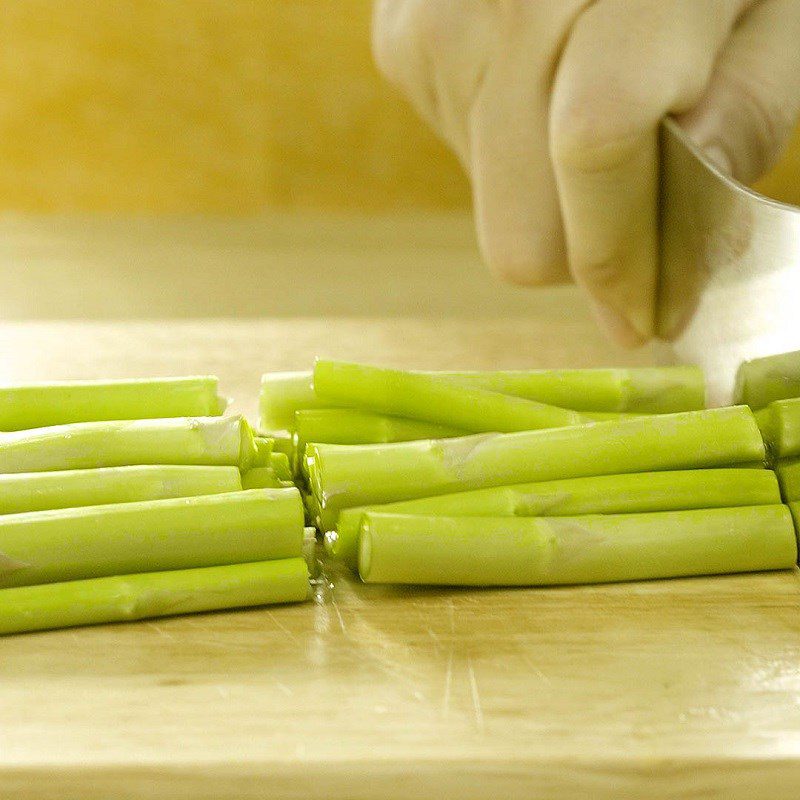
(668, 689)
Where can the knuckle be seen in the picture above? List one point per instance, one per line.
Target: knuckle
(403, 28)
(525, 268)
(583, 143)
(768, 118)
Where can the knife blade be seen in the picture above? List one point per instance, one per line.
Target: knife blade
(729, 282)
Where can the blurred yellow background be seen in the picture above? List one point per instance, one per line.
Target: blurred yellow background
(215, 106)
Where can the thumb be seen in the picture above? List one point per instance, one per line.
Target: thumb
(753, 100)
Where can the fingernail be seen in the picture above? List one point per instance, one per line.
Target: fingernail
(717, 156)
(618, 328)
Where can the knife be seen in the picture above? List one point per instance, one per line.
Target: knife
(729, 280)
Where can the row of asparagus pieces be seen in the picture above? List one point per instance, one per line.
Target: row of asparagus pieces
(472, 479)
(121, 500)
(128, 499)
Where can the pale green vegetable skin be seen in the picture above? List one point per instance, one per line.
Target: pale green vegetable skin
(263, 478)
(540, 551)
(279, 462)
(433, 399)
(44, 404)
(604, 494)
(761, 381)
(780, 426)
(181, 533)
(642, 390)
(123, 598)
(38, 491)
(788, 473)
(351, 426)
(344, 476)
(202, 441)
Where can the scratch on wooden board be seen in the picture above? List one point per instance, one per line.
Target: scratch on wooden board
(448, 683)
(338, 614)
(160, 631)
(476, 697)
(281, 626)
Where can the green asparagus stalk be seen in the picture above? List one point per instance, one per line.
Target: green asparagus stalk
(39, 491)
(780, 426)
(279, 463)
(263, 445)
(788, 472)
(205, 441)
(636, 492)
(310, 552)
(761, 381)
(264, 478)
(351, 426)
(433, 399)
(45, 404)
(74, 543)
(642, 390)
(503, 551)
(124, 598)
(343, 476)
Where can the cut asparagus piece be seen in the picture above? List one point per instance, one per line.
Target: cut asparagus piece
(761, 381)
(310, 552)
(788, 472)
(263, 456)
(44, 404)
(351, 426)
(74, 543)
(604, 494)
(124, 598)
(204, 441)
(39, 491)
(343, 476)
(642, 390)
(279, 463)
(433, 399)
(538, 551)
(263, 478)
(780, 426)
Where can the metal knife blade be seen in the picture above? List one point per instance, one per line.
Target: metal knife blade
(729, 285)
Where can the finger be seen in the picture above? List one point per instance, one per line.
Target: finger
(436, 53)
(742, 123)
(517, 214)
(604, 118)
(752, 103)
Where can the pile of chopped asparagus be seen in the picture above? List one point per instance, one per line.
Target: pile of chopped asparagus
(121, 500)
(542, 477)
(128, 499)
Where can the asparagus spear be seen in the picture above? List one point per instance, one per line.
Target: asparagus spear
(263, 478)
(279, 463)
(123, 598)
(351, 426)
(94, 541)
(502, 551)
(44, 404)
(343, 476)
(604, 494)
(780, 426)
(761, 381)
(788, 472)
(263, 456)
(210, 441)
(642, 390)
(38, 491)
(433, 399)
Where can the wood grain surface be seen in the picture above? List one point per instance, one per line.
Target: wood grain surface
(667, 689)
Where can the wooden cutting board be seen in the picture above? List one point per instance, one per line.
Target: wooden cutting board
(667, 689)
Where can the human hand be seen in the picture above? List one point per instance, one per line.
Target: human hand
(553, 106)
